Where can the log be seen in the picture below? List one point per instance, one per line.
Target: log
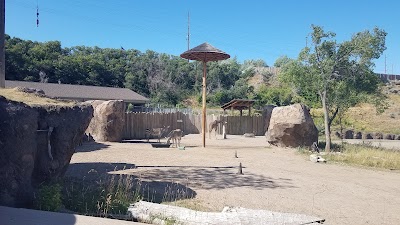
(153, 213)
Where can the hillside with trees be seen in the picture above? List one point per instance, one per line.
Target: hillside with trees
(328, 75)
(165, 79)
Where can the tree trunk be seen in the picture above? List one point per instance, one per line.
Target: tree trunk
(326, 122)
(333, 116)
(166, 214)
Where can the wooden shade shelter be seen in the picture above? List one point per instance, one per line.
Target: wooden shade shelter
(239, 104)
(205, 53)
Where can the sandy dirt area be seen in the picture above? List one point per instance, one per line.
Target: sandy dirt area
(277, 179)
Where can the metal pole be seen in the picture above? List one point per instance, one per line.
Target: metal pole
(2, 45)
(203, 127)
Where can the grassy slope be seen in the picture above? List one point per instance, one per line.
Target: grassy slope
(365, 118)
(31, 99)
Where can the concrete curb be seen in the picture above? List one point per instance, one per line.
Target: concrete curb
(20, 216)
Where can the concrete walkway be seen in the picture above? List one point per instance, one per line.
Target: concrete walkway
(19, 216)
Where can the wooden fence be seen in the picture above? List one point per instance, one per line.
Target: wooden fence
(239, 125)
(136, 123)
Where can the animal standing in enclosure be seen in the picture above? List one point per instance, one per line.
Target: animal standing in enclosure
(314, 147)
(214, 126)
(156, 132)
(176, 136)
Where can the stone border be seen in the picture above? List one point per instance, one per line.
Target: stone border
(351, 134)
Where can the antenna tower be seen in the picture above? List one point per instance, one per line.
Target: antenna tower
(188, 34)
(385, 64)
(37, 13)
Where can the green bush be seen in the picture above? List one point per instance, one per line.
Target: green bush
(130, 107)
(48, 197)
(279, 96)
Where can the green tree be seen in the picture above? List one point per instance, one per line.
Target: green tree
(339, 74)
(222, 74)
(18, 61)
(164, 78)
(279, 96)
(281, 61)
(255, 63)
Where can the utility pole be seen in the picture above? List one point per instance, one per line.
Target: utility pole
(306, 41)
(2, 44)
(385, 64)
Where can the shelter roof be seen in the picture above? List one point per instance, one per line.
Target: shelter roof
(238, 104)
(82, 92)
(205, 52)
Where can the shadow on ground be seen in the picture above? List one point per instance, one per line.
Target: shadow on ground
(150, 190)
(91, 146)
(143, 141)
(210, 177)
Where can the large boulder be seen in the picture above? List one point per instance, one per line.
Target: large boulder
(291, 126)
(377, 135)
(348, 134)
(358, 135)
(367, 136)
(389, 136)
(108, 120)
(36, 146)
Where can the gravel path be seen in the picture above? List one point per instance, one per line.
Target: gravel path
(274, 178)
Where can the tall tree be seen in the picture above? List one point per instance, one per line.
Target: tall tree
(281, 61)
(338, 74)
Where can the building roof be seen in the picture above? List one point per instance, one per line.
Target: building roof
(238, 104)
(82, 92)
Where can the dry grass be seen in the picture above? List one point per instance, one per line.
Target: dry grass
(364, 155)
(111, 196)
(31, 99)
(368, 156)
(192, 204)
(364, 117)
(101, 197)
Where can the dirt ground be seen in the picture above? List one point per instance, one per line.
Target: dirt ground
(277, 179)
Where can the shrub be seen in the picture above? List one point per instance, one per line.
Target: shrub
(111, 195)
(48, 197)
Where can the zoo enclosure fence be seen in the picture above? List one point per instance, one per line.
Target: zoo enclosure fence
(137, 122)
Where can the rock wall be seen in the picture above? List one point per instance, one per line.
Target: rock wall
(36, 145)
(351, 134)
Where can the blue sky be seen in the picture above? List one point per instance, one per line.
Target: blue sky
(244, 29)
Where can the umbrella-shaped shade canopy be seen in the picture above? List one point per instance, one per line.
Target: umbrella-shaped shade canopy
(205, 52)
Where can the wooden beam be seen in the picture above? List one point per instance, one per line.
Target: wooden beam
(203, 127)
(2, 45)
